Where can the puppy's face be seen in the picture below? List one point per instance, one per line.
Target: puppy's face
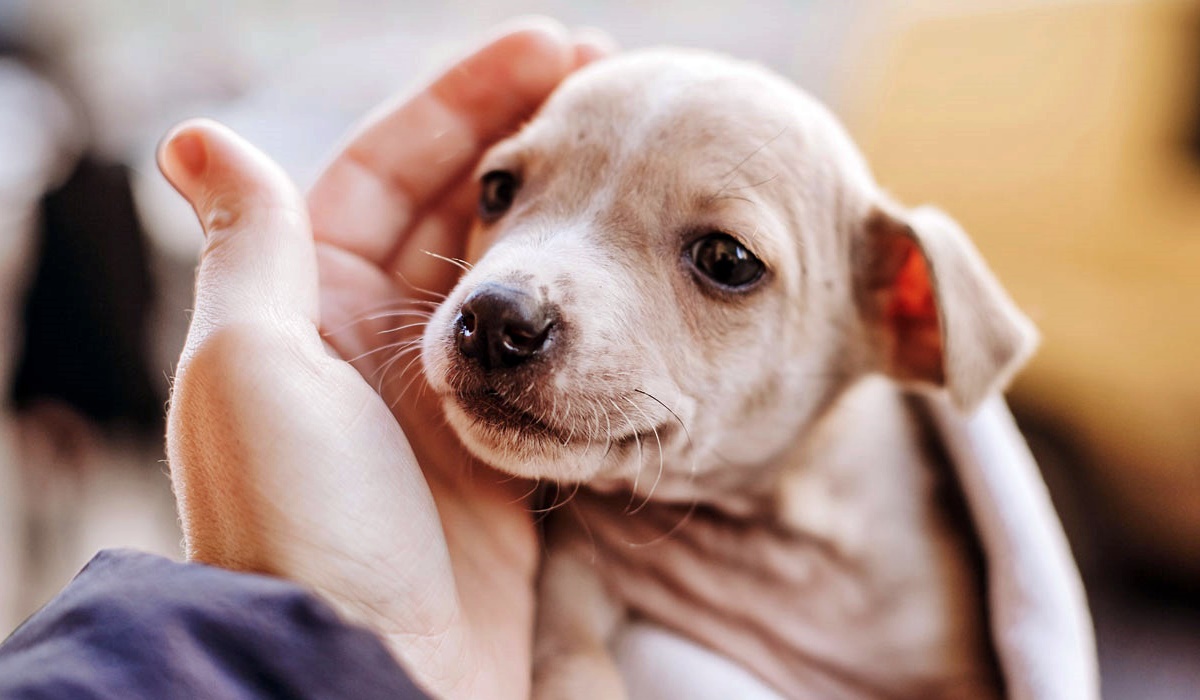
(663, 287)
(645, 306)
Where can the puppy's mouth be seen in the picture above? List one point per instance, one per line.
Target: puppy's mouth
(490, 409)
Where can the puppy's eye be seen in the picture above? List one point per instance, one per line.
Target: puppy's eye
(722, 259)
(499, 189)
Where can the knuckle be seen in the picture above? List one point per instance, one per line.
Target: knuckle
(227, 214)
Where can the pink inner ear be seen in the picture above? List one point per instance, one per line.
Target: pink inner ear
(912, 294)
(911, 313)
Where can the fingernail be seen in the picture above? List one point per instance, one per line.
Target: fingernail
(594, 43)
(189, 152)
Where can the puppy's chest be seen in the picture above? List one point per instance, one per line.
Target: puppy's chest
(817, 614)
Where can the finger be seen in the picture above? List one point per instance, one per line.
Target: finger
(258, 258)
(424, 264)
(442, 228)
(403, 156)
(592, 44)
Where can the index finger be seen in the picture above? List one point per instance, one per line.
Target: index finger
(407, 153)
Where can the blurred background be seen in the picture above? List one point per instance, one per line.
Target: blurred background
(1063, 134)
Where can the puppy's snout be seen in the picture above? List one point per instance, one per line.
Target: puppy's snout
(501, 327)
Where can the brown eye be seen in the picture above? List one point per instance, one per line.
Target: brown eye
(722, 259)
(499, 189)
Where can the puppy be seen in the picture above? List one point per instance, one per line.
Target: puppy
(693, 310)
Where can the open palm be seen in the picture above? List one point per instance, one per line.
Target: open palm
(288, 459)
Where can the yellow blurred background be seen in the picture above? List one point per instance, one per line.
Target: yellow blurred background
(1066, 138)
(1063, 134)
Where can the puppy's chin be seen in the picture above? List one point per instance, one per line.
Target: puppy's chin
(520, 445)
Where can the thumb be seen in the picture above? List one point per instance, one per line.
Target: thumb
(259, 260)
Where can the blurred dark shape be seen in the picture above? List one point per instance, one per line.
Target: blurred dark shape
(11, 19)
(85, 316)
(15, 31)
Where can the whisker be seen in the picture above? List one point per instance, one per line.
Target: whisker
(398, 312)
(383, 370)
(542, 512)
(436, 295)
(608, 443)
(408, 385)
(675, 415)
(570, 434)
(674, 528)
(401, 344)
(375, 315)
(402, 348)
(397, 329)
(555, 504)
(553, 407)
(536, 484)
(658, 478)
(457, 262)
(592, 433)
(574, 492)
(586, 528)
(637, 441)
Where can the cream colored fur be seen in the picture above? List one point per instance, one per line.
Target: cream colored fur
(750, 469)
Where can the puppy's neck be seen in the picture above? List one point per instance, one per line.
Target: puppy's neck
(867, 463)
(857, 522)
(865, 444)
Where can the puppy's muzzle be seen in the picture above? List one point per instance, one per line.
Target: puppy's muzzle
(499, 327)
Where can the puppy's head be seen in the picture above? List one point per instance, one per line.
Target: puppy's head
(677, 264)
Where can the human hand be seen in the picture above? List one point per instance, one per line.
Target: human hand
(285, 458)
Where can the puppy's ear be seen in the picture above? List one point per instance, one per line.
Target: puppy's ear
(934, 310)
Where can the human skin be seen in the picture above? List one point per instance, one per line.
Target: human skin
(295, 448)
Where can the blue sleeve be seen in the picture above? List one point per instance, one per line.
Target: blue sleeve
(134, 626)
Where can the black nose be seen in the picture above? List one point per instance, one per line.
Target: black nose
(501, 327)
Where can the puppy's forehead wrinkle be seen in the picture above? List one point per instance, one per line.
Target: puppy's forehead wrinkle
(733, 173)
